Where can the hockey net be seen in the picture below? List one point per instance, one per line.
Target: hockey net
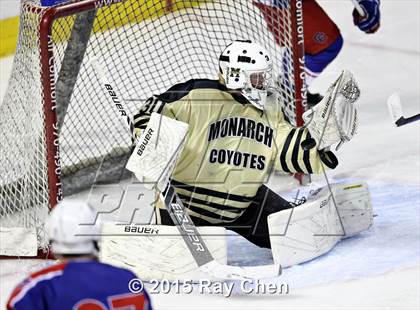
(58, 132)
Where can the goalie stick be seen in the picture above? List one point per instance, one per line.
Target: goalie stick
(395, 109)
(178, 214)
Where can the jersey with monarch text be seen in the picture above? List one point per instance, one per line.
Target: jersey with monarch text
(230, 147)
(78, 285)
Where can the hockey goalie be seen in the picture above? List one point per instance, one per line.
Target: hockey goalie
(235, 134)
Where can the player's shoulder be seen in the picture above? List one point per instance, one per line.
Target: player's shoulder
(179, 91)
(33, 279)
(48, 272)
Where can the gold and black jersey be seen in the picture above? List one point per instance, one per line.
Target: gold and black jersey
(230, 147)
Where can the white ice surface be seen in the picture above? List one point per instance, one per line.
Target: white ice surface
(379, 268)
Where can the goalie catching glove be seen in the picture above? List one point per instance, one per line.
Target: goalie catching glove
(335, 118)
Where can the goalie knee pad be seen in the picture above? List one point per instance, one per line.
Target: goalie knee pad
(307, 231)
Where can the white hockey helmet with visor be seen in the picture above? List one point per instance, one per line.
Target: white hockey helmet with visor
(247, 66)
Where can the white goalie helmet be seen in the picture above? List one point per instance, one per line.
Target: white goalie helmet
(247, 66)
(72, 228)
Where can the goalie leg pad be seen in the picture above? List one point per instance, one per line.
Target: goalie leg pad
(354, 206)
(158, 251)
(307, 231)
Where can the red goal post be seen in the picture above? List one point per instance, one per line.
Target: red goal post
(62, 138)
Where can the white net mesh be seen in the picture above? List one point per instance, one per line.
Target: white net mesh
(147, 46)
(23, 164)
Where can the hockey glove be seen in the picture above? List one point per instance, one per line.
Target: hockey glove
(334, 119)
(157, 151)
(371, 21)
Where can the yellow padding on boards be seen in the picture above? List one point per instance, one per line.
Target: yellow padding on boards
(116, 15)
(9, 29)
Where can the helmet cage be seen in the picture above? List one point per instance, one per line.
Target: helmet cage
(258, 79)
(257, 82)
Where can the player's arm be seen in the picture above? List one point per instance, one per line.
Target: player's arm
(370, 22)
(174, 103)
(179, 110)
(292, 158)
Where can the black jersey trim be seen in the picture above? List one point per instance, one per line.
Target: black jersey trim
(210, 192)
(210, 214)
(210, 204)
(284, 151)
(295, 153)
(181, 90)
(162, 105)
(142, 123)
(306, 159)
(152, 106)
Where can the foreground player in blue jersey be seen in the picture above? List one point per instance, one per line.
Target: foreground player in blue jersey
(80, 281)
